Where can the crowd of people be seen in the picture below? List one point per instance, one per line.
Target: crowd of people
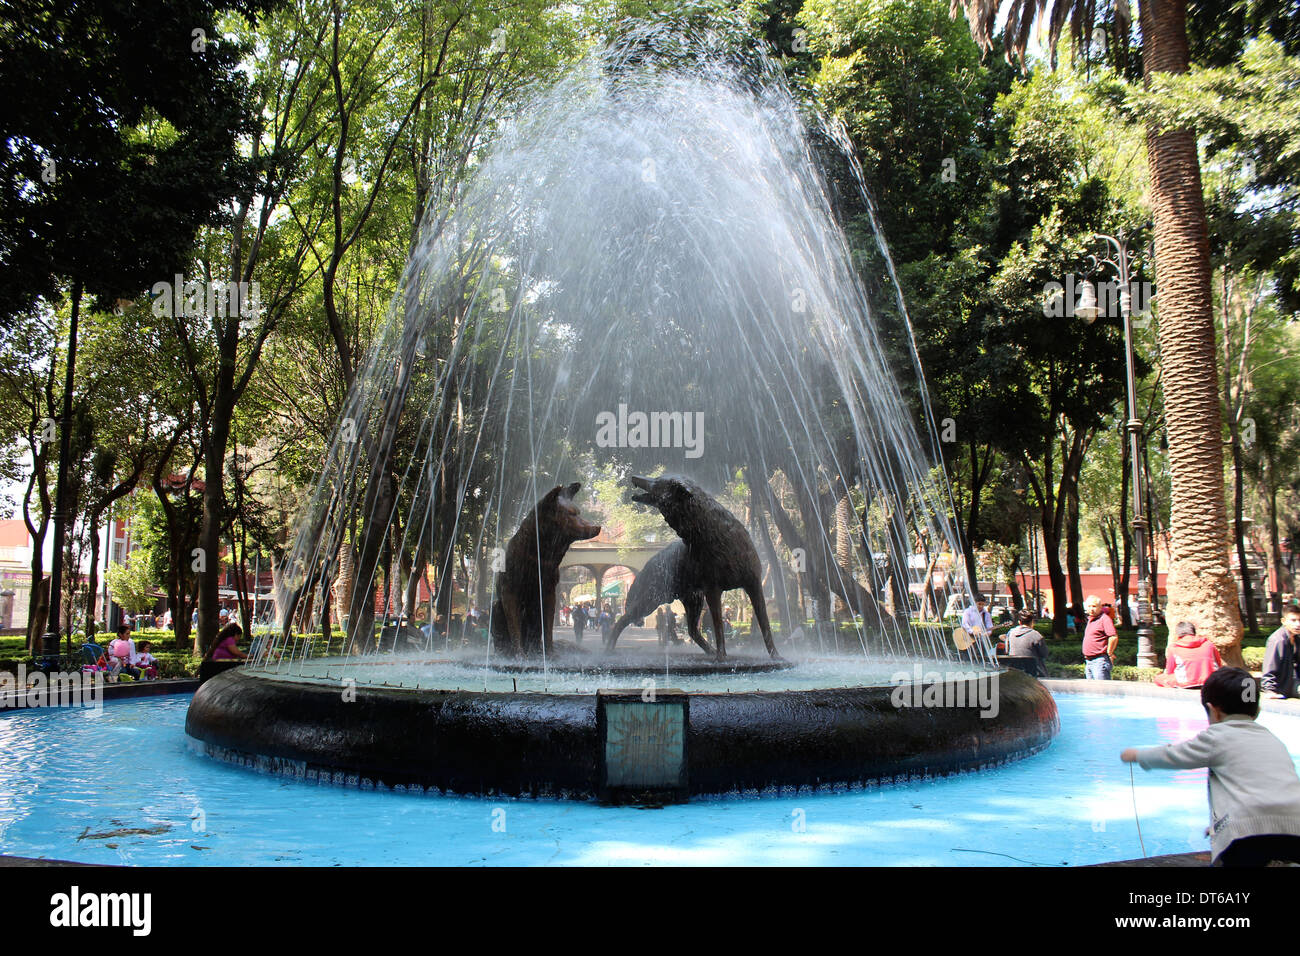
(1190, 658)
(584, 615)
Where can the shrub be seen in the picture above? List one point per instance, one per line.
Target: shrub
(1144, 675)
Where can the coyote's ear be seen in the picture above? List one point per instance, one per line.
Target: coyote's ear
(572, 489)
(551, 497)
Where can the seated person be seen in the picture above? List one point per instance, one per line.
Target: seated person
(122, 653)
(226, 646)
(1190, 658)
(1023, 641)
(146, 662)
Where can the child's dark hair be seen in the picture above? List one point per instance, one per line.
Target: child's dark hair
(1233, 691)
(1026, 616)
(123, 629)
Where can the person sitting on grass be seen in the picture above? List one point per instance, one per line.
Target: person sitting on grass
(1254, 790)
(1190, 660)
(226, 646)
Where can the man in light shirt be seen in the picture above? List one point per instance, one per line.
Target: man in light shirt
(976, 620)
(978, 625)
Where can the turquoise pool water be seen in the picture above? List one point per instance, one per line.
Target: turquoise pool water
(124, 786)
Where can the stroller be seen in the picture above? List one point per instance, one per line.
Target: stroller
(94, 659)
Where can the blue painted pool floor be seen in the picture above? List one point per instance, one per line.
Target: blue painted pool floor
(125, 786)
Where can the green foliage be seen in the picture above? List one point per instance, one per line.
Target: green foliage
(906, 81)
(1249, 115)
(633, 523)
(133, 586)
(121, 141)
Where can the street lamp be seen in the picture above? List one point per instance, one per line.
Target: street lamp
(1088, 310)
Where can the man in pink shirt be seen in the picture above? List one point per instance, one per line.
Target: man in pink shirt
(1099, 641)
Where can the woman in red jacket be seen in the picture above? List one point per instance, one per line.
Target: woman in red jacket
(1190, 658)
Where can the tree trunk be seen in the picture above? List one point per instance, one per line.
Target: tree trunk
(414, 576)
(214, 510)
(1274, 549)
(1055, 574)
(1072, 550)
(844, 550)
(92, 582)
(1238, 508)
(40, 603)
(1200, 584)
(781, 594)
(35, 614)
(343, 586)
(482, 579)
(822, 576)
(1009, 568)
(65, 452)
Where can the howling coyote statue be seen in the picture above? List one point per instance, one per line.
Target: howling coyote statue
(718, 555)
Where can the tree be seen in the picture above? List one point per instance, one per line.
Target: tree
(906, 82)
(134, 584)
(1064, 376)
(121, 144)
(1200, 584)
(1247, 112)
(1273, 458)
(29, 401)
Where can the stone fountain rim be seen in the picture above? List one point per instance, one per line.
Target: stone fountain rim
(533, 744)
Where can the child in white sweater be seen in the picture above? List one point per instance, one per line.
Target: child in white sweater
(1254, 790)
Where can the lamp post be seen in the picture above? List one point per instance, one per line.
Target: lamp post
(1087, 309)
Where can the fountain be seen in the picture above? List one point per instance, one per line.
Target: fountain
(644, 275)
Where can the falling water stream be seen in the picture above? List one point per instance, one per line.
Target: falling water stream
(652, 233)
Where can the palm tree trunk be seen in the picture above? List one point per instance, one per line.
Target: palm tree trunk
(1200, 585)
(844, 549)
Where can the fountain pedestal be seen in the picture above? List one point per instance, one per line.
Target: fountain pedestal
(540, 744)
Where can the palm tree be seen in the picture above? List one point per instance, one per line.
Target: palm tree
(1201, 587)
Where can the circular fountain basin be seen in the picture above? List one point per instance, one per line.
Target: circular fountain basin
(543, 742)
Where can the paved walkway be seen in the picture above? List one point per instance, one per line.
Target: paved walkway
(1171, 859)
